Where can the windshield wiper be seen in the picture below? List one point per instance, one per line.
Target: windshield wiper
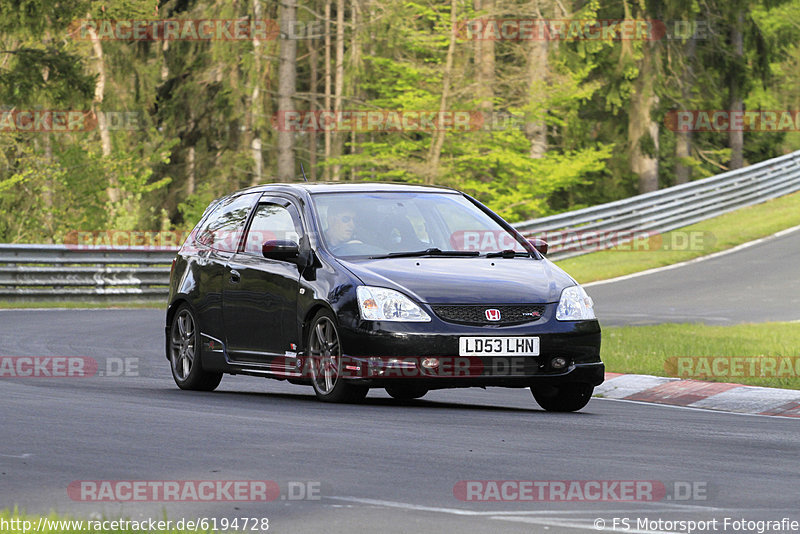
(428, 252)
(508, 253)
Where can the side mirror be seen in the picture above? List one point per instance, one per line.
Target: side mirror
(540, 245)
(279, 249)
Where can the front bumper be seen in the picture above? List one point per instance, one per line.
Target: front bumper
(365, 373)
(378, 354)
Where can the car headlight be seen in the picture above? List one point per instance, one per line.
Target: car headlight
(381, 304)
(575, 305)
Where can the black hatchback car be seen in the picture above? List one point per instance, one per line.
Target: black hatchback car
(347, 287)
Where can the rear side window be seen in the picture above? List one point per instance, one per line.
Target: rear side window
(223, 229)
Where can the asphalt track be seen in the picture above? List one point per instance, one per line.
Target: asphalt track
(382, 466)
(758, 283)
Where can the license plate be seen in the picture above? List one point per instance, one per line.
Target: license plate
(498, 346)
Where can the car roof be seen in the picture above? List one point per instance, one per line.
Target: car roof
(346, 187)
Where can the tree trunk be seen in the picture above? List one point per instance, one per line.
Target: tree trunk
(355, 59)
(538, 77)
(312, 135)
(642, 129)
(373, 38)
(49, 184)
(256, 109)
(736, 137)
(191, 168)
(683, 149)
(484, 62)
(327, 133)
(287, 74)
(683, 146)
(338, 88)
(102, 125)
(190, 171)
(164, 66)
(437, 141)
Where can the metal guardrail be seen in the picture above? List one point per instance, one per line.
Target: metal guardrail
(87, 273)
(586, 230)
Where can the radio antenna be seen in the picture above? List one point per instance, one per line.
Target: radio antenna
(304, 171)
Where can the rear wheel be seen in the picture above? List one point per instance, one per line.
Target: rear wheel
(406, 391)
(325, 356)
(568, 397)
(184, 353)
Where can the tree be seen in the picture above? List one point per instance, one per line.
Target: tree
(287, 76)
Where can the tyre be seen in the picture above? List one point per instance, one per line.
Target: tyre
(184, 353)
(325, 358)
(406, 391)
(568, 397)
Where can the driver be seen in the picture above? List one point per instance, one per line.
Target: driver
(341, 226)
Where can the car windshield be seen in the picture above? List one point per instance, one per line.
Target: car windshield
(386, 224)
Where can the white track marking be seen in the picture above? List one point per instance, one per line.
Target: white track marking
(580, 526)
(665, 507)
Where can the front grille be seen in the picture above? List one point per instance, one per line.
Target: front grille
(472, 314)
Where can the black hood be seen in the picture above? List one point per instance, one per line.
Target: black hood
(467, 280)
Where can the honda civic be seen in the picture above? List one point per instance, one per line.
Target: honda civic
(350, 286)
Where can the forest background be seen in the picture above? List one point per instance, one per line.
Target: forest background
(108, 124)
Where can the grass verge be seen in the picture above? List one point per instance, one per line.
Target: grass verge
(700, 239)
(649, 350)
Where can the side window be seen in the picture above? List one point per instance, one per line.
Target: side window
(271, 222)
(223, 228)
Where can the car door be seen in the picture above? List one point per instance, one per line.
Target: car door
(260, 295)
(216, 241)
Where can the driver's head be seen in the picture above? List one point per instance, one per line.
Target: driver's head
(341, 225)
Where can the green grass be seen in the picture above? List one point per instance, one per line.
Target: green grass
(12, 522)
(13, 304)
(712, 235)
(647, 349)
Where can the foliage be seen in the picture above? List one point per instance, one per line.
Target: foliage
(206, 109)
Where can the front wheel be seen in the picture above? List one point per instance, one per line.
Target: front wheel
(569, 397)
(325, 356)
(184, 353)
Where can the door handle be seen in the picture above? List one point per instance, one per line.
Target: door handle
(235, 276)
